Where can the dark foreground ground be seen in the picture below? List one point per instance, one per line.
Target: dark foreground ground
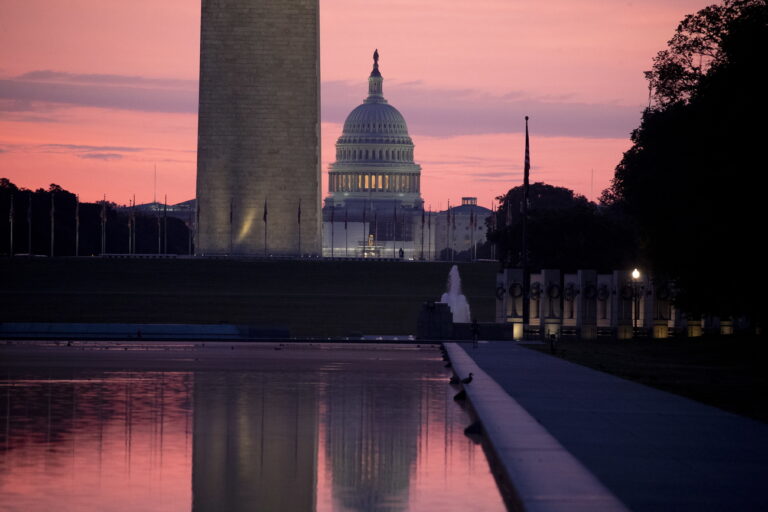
(308, 297)
(729, 373)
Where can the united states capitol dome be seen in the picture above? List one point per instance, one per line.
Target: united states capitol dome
(374, 155)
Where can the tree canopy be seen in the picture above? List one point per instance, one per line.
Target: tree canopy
(565, 231)
(691, 182)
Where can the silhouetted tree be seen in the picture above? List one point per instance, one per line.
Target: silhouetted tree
(690, 181)
(65, 224)
(565, 231)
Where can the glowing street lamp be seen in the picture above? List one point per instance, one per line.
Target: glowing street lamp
(636, 298)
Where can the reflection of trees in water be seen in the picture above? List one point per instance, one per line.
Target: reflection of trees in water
(254, 445)
(49, 408)
(372, 438)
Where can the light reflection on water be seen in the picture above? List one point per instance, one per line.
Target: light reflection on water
(368, 436)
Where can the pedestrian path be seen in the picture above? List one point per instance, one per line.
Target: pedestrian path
(653, 450)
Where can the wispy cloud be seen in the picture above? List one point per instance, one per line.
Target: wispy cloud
(427, 110)
(48, 75)
(85, 148)
(27, 91)
(450, 112)
(101, 156)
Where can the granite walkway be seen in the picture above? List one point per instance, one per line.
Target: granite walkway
(653, 450)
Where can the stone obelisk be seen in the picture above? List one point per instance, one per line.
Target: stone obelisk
(258, 152)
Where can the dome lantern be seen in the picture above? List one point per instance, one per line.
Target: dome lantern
(375, 82)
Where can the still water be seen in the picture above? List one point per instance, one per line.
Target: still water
(376, 430)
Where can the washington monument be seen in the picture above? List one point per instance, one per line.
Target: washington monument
(258, 151)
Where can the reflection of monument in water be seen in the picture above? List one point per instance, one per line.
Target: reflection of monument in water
(255, 442)
(372, 435)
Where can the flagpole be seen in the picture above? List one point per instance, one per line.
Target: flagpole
(29, 224)
(453, 237)
(133, 214)
(10, 221)
(526, 276)
(472, 235)
(129, 225)
(165, 224)
(431, 245)
(53, 194)
(77, 226)
(423, 214)
(265, 228)
(448, 230)
(159, 229)
(346, 232)
(394, 230)
(104, 225)
(231, 213)
(299, 222)
(333, 227)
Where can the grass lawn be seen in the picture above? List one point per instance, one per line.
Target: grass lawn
(727, 372)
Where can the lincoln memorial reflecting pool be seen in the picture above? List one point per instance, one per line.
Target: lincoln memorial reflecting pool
(229, 427)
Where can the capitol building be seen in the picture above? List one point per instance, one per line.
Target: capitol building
(374, 206)
(374, 186)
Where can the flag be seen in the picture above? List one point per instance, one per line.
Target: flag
(265, 211)
(231, 211)
(10, 212)
(29, 209)
(299, 214)
(527, 165)
(346, 217)
(423, 214)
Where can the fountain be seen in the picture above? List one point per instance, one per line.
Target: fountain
(456, 301)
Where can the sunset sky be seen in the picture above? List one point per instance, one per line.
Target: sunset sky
(95, 93)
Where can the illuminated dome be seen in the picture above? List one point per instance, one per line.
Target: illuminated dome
(374, 155)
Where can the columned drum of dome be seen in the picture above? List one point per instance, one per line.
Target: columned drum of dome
(259, 128)
(374, 181)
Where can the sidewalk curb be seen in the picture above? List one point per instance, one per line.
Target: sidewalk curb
(543, 474)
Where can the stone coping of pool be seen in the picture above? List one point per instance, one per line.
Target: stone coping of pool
(545, 477)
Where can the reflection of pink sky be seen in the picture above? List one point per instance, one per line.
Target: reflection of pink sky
(135, 458)
(574, 66)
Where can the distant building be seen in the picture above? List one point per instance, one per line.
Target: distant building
(460, 229)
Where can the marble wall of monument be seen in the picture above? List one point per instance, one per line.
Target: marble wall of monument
(259, 128)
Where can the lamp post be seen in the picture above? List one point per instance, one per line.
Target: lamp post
(635, 299)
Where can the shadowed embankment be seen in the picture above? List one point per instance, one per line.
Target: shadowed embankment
(309, 297)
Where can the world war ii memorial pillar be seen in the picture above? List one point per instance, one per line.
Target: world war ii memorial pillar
(258, 156)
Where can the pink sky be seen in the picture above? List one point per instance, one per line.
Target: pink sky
(94, 93)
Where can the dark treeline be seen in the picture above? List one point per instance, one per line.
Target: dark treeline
(687, 197)
(692, 181)
(565, 231)
(21, 216)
